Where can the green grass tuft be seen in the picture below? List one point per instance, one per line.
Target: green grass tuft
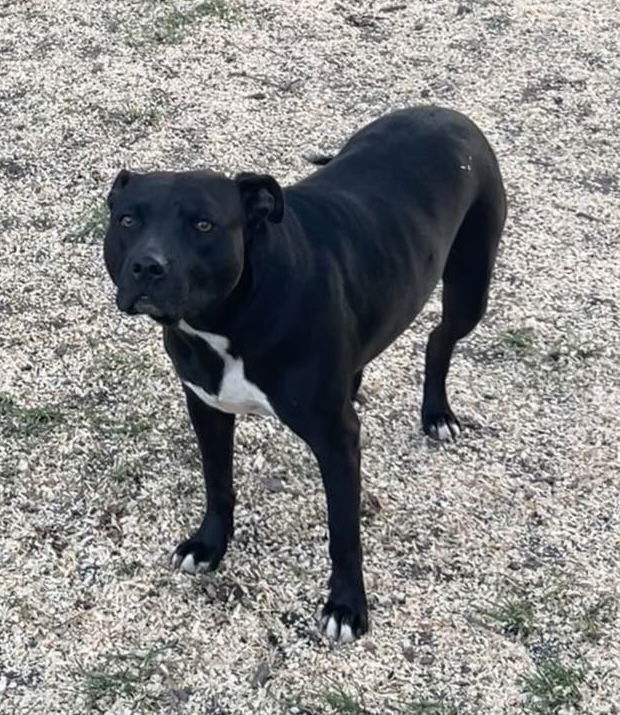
(552, 689)
(168, 28)
(514, 616)
(28, 420)
(128, 569)
(171, 27)
(343, 704)
(131, 426)
(92, 225)
(520, 340)
(596, 617)
(212, 8)
(6, 404)
(123, 675)
(122, 473)
(132, 114)
(570, 346)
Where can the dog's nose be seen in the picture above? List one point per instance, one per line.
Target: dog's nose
(149, 267)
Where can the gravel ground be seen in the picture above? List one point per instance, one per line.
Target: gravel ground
(491, 564)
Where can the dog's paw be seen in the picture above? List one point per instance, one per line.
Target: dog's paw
(342, 624)
(196, 556)
(443, 426)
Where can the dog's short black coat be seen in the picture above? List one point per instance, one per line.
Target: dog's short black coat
(273, 300)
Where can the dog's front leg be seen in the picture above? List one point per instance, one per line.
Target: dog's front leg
(215, 432)
(336, 445)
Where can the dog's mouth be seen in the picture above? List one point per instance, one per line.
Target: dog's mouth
(139, 304)
(132, 301)
(145, 306)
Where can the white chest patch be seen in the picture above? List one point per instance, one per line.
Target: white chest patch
(237, 394)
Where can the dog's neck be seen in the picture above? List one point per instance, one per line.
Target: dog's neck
(240, 316)
(220, 315)
(223, 316)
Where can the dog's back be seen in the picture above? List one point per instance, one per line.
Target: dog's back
(389, 206)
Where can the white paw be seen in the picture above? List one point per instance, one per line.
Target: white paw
(336, 633)
(446, 431)
(443, 432)
(188, 564)
(346, 634)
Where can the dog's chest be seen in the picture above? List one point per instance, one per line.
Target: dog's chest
(208, 369)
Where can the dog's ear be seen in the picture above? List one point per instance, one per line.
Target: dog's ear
(121, 181)
(261, 196)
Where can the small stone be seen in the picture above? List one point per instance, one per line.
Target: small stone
(262, 675)
(409, 654)
(273, 484)
(211, 591)
(427, 659)
(181, 695)
(384, 600)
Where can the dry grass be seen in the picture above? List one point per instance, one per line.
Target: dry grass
(491, 564)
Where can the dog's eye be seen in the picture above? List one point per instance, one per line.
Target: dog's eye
(203, 226)
(127, 221)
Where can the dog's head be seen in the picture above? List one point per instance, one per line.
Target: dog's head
(176, 242)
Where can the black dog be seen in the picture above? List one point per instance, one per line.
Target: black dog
(274, 300)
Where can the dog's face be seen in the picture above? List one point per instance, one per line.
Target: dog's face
(175, 244)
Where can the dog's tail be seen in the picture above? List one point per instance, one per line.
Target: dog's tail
(318, 159)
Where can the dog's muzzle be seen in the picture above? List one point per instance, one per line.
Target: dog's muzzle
(143, 277)
(145, 306)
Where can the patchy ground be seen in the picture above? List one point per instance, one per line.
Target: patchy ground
(491, 564)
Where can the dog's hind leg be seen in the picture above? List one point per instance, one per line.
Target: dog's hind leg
(466, 280)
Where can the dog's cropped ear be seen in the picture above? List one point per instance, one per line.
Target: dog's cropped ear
(261, 196)
(121, 181)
